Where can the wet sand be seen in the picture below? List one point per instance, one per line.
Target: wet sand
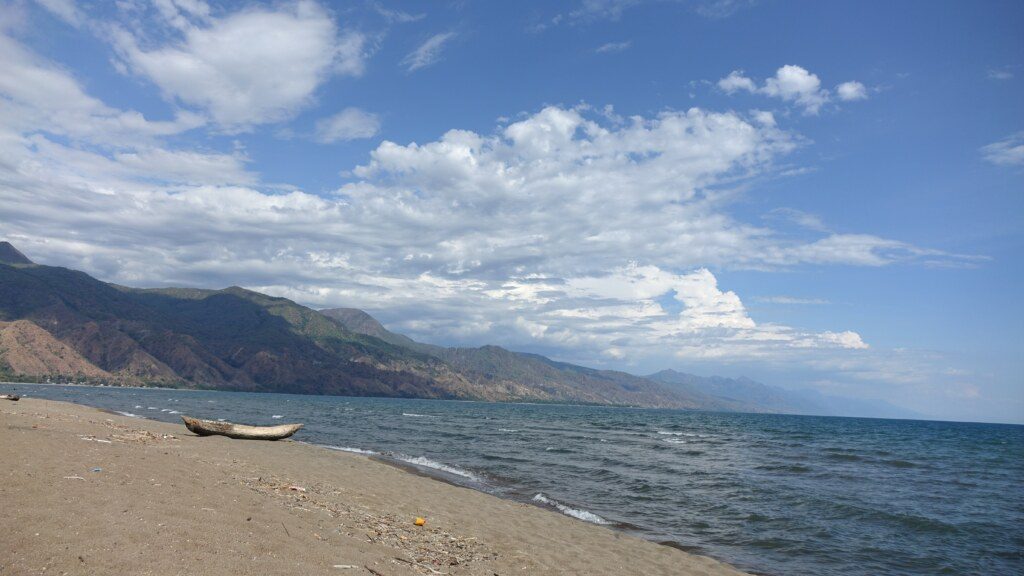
(83, 491)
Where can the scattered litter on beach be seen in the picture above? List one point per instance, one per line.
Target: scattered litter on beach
(425, 549)
(419, 521)
(97, 469)
(73, 478)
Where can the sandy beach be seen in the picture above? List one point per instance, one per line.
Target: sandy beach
(89, 492)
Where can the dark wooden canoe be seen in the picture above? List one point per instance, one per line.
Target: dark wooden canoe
(240, 431)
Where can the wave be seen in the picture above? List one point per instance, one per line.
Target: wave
(276, 416)
(676, 441)
(690, 434)
(415, 415)
(352, 450)
(129, 414)
(508, 430)
(428, 463)
(569, 511)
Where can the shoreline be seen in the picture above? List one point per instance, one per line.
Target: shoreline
(347, 505)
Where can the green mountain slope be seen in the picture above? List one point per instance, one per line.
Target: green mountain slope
(237, 339)
(517, 372)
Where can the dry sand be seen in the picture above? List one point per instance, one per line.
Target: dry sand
(88, 492)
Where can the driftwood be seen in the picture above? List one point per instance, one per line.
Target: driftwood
(240, 431)
(11, 397)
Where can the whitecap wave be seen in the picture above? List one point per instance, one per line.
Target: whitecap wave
(508, 430)
(128, 414)
(669, 433)
(276, 416)
(569, 511)
(428, 463)
(352, 450)
(415, 415)
(675, 440)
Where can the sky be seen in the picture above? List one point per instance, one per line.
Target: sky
(816, 195)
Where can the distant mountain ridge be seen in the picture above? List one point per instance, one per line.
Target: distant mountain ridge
(64, 325)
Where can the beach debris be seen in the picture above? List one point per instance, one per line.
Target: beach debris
(419, 521)
(97, 469)
(11, 397)
(429, 547)
(294, 488)
(239, 431)
(346, 566)
(372, 571)
(73, 478)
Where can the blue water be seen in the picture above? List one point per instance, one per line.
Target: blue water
(771, 494)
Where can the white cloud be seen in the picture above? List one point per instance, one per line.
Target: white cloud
(848, 91)
(251, 67)
(427, 53)
(1003, 73)
(521, 236)
(398, 15)
(349, 124)
(791, 300)
(612, 47)
(66, 10)
(1007, 152)
(40, 96)
(736, 81)
(793, 84)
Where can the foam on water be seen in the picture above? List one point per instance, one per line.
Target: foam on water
(128, 414)
(570, 511)
(352, 450)
(414, 415)
(428, 463)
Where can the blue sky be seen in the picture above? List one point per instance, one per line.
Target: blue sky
(815, 194)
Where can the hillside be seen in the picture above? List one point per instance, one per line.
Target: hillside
(237, 339)
(496, 366)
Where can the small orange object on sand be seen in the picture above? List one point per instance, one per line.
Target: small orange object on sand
(420, 521)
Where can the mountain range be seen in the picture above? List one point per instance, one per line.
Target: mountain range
(63, 325)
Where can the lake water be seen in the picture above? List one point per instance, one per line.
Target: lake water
(771, 494)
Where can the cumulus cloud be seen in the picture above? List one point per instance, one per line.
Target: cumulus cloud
(427, 53)
(793, 84)
(594, 236)
(848, 91)
(737, 81)
(521, 236)
(349, 124)
(254, 66)
(1007, 152)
